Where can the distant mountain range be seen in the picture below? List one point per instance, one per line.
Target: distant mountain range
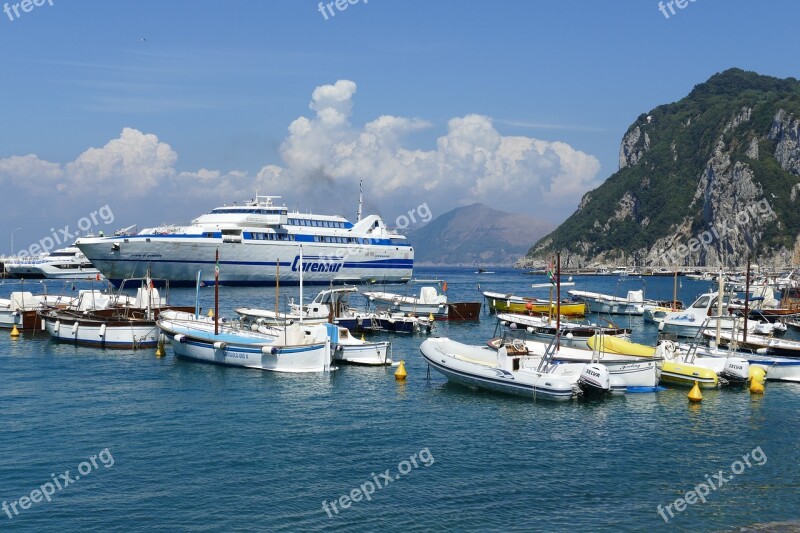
(709, 180)
(476, 234)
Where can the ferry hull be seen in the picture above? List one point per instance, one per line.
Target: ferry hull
(178, 259)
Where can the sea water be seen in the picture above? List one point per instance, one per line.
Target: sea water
(129, 441)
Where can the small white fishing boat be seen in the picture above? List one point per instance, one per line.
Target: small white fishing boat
(429, 302)
(121, 332)
(688, 322)
(545, 328)
(632, 304)
(521, 375)
(20, 309)
(328, 304)
(108, 321)
(354, 351)
(760, 343)
(346, 348)
(292, 350)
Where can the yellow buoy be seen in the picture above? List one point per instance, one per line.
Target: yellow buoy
(160, 348)
(695, 395)
(362, 338)
(14, 331)
(756, 387)
(210, 313)
(400, 373)
(430, 317)
(757, 374)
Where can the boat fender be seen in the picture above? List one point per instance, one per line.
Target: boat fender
(102, 330)
(529, 329)
(219, 345)
(274, 350)
(75, 328)
(179, 338)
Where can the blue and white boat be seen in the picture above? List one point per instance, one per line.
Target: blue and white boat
(257, 240)
(289, 350)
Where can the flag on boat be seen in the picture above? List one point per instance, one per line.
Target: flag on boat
(550, 274)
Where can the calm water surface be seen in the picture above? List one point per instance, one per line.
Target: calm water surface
(207, 448)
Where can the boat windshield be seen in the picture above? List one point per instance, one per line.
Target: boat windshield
(701, 302)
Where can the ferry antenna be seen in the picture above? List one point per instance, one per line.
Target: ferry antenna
(360, 199)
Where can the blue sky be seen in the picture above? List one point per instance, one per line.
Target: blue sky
(163, 110)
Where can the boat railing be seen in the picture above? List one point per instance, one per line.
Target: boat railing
(691, 354)
(549, 352)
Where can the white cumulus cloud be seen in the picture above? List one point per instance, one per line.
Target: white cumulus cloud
(472, 162)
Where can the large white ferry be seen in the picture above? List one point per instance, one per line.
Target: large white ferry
(255, 241)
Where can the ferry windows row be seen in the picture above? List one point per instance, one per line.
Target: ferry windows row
(340, 240)
(269, 236)
(317, 223)
(242, 211)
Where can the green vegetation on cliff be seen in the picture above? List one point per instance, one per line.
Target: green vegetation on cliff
(667, 152)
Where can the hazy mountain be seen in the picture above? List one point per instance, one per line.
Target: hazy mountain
(476, 233)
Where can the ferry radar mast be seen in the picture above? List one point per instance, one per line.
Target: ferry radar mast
(360, 199)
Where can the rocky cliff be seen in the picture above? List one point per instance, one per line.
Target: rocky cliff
(708, 180)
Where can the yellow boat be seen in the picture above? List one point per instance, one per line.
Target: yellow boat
(521, 304)
(686, 374)
(612, 344)
(671, 371)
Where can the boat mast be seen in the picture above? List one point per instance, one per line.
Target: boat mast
(360, 200)
(720, 296)
(746, 300)
(197, 296)
(558, 300)
(675, 291)
(301, 284)
(277, 286)
(216, 295)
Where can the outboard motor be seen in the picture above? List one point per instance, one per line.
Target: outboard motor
(595, 380)
(736, 371)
